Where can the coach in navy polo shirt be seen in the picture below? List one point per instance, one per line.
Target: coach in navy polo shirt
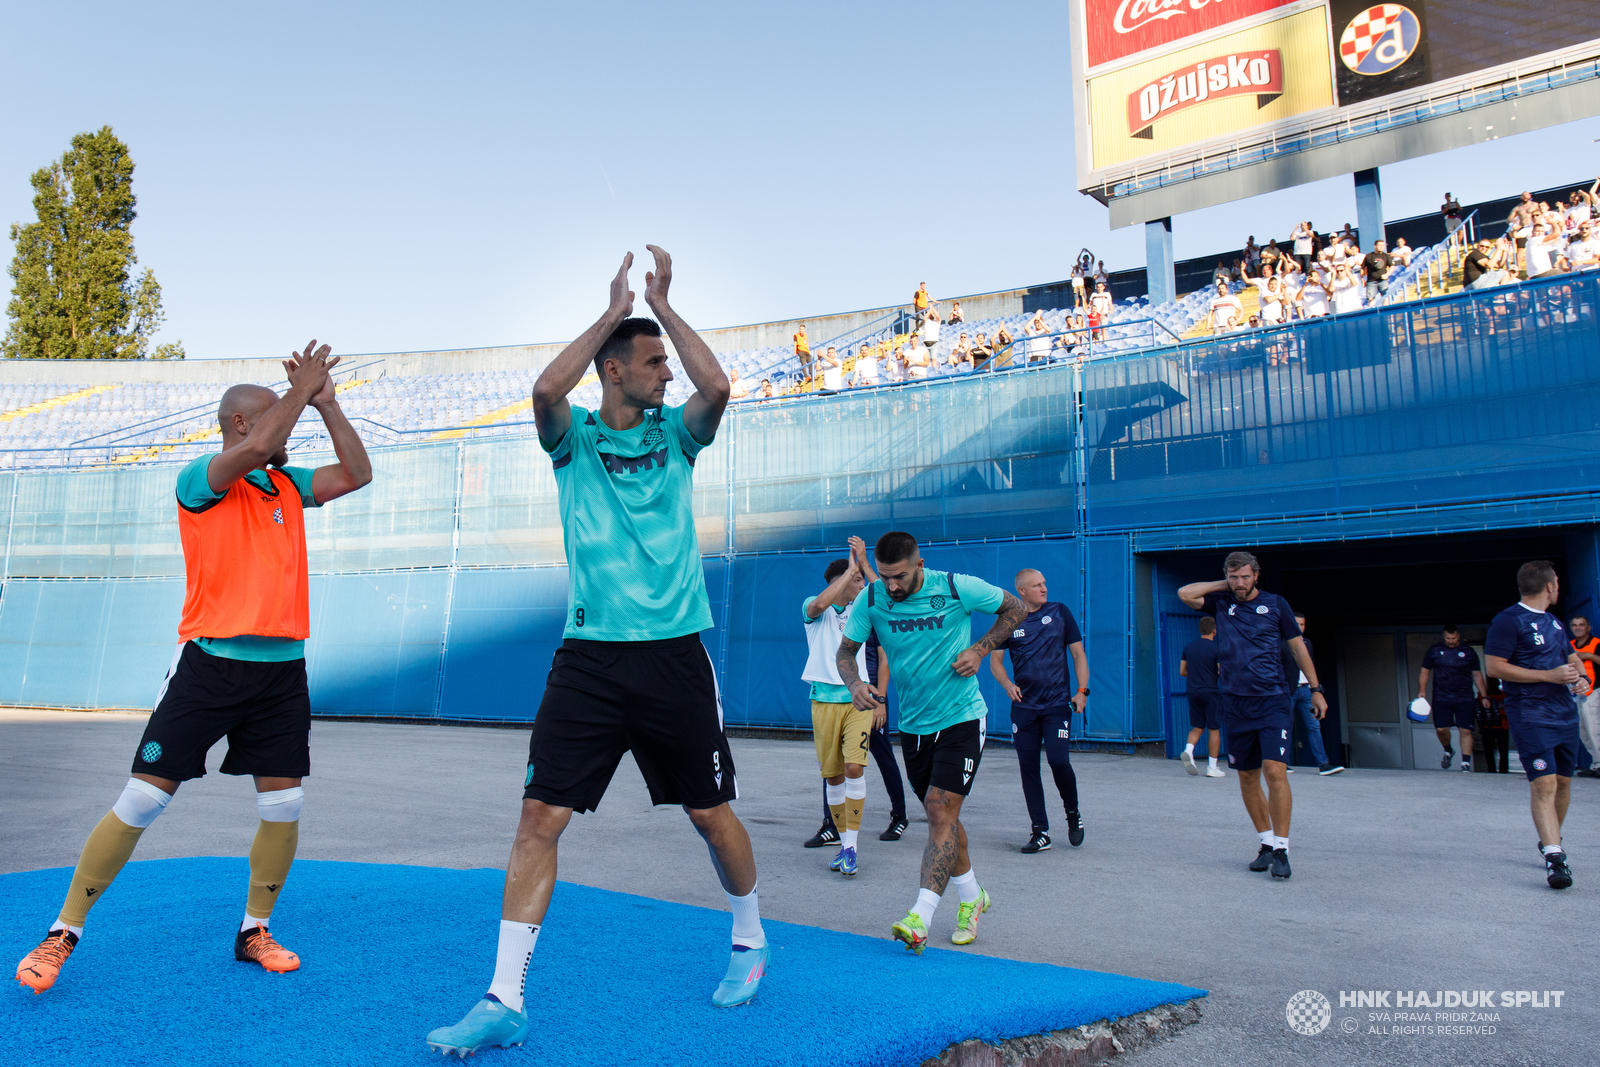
(1042, 701)
(1458, 687)
(1251, 628)
(1531, 655)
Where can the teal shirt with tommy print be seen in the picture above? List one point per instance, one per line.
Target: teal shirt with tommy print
(627, 521)
(194, 492)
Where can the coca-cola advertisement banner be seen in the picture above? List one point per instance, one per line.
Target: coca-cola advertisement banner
(1235, 74)
(1117, 28)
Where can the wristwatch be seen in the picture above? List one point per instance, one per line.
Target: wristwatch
(1316, 689)
(1084, 692)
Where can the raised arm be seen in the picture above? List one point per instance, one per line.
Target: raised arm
(1012, 612)
(552, 414)
(267, 435)
(835, 593)
(1194, 594)
(858, 553)
(703, 413)
(354, 469)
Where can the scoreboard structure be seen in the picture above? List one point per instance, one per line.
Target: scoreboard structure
(1183, 104)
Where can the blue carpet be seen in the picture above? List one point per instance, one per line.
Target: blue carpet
(617, 979)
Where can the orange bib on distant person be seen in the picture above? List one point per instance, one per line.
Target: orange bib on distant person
(245, 558)
(1591, 646)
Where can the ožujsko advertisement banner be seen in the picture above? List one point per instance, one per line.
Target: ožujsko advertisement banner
(1118, 28)
(1222, 86)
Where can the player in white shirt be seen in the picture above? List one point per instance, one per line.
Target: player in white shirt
(1226, 310)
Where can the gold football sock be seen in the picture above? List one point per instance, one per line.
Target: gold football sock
(837, 811)
(270, 857)
(104, 854)
(852, 812)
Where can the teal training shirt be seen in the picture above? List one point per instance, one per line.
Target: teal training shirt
(825, 692)
(627, 520)
(924, 634)
(194, 491)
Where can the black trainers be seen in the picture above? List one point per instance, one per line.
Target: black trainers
(1556, 871)
(1074, 829)
(1039, 841)
(1331, 768)
(825, 836)
(1444, 763)
(1280, 863)
(1263, 859)
(897, 826)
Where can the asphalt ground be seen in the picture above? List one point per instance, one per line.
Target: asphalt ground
(1403, 880)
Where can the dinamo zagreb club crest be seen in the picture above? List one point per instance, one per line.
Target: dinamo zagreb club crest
(1380, 39)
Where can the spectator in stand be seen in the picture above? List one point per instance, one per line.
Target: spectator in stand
(1222, 274)
(1226, 310)
(1478, 269)
(832, 370)
(955, 314)
(1376, 267)
(961, 354)
(1520, 226)
(1315, 299)
(1252, 254)
(1255, 323)
(1002, 337)
(920, 302)
(1348, 237)
(1078, 296)
(1541, 251)
(1101, 301)
(802, 352)
(1402, 252)
(1584, 251)
(982, 351)
(737, 390)
(930, 330)
(1272, 255)
(866, 368)
(1100, 275)
(1270, 289)
(766, 388)
(1079, 337)
(1581, 204)
(1303, 236)
(918, 361)
(1346, 290)
(1038, 349)
(1451, 210)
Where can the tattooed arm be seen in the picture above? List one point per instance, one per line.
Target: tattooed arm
(1012, 612)
(860, 692)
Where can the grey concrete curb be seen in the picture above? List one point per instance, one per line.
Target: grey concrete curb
(1081, 1046)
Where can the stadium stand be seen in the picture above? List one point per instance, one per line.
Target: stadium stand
(83, 423)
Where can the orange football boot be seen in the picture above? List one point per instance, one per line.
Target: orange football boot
(40, 968)
(257, 946)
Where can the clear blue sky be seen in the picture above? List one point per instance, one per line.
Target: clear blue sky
(395, 176)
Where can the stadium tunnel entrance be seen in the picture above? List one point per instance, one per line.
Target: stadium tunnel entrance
(1372, 609)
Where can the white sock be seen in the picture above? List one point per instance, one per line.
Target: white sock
(251, 922)
(1267, 838)
(747, 930)
(1189, 748)
(77, 931)
(511, 962)
(967, 884)
(927, 903)
(1546, 849)
(847, 838)
(1213, 763)
(834, 793)
(1280, 842)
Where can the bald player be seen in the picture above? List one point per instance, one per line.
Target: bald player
(1043, 700)
(240, 669)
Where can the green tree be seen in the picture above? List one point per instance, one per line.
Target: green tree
(73, 295)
